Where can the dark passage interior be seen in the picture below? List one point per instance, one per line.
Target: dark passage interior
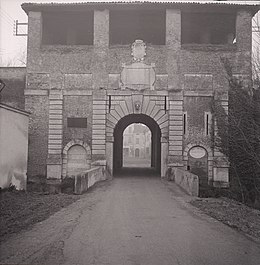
(128, 26)
(68, 28)
(155, 152)
(208, 28)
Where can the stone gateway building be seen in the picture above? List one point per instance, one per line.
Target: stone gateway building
(95, 68)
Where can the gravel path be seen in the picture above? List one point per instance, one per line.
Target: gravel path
(135, 220)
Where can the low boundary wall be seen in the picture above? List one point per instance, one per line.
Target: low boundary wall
(186, 180)
(85, 180)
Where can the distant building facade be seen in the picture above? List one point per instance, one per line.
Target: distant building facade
(95, 68)
(137, 141)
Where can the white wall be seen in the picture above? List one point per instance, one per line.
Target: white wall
(13, 147)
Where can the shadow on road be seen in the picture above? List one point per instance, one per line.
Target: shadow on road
(130, 172)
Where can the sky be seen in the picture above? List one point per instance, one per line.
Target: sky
(13, 48)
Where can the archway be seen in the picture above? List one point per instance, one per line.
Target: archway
(155, 139)
(76, 157)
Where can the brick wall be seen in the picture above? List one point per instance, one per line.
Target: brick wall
(77, 106)
(38, 134)
(190, 74)
(172, 58)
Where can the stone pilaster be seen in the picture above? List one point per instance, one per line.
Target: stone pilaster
(244, 30)
(54, 161)
(101, 45)
(220, 166)
(99, 126)
(175, 129)
(34, 37)
(173, 44)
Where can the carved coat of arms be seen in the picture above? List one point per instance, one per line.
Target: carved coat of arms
(138, 50)
(138, 75)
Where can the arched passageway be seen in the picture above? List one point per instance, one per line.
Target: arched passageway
(155, 140)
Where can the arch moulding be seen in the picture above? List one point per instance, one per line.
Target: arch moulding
(66, 149)
(138, 104)
(210, 156)
(154, 106)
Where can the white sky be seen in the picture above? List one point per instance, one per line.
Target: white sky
(13, 48)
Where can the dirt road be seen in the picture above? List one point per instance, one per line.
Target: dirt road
(134, 220)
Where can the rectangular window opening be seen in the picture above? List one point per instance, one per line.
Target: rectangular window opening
(109, 103)
(68, 28)
(207, 122)
(128, 26)
(77, 122)
(184, 123)
(208, 28)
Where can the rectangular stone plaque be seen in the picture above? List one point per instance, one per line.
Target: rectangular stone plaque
(220, 174)
(138, 77)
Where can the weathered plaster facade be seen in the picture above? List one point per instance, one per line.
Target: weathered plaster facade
(85, 81)
(13, 147)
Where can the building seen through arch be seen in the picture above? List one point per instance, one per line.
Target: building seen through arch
(137, 146)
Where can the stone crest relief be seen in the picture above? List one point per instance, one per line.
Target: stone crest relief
(138, 50)
(138, 75)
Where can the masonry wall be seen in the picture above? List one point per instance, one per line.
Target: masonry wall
(188, 75)
(172, 59)
(37, 105)
(77, 106)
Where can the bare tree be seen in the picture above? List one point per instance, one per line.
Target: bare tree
(17, 60)
(256, 49)
(238, 137)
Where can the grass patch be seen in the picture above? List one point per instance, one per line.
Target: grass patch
(20, 209)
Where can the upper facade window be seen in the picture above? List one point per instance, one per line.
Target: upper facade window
(208, 28)
(128, 26)
(68, 28)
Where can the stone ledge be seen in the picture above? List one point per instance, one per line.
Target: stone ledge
(34, 92)
(198, 94)
(77, 93)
